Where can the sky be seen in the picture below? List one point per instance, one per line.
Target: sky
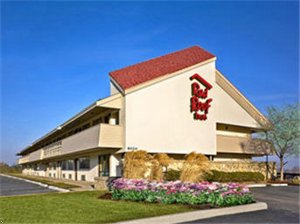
(56, 56)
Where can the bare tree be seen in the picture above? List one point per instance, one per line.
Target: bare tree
(284, 135)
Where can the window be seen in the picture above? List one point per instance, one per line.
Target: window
(83, 177)
(53, 166)
(104, 165)
(70, 176)
(106, 119)
(64, 165)
(54, 175)
(84, 163)
(64, 175)
(35, 167)
(49, 174)
(67, 165)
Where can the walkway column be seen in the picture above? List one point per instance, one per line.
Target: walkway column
(114, 165)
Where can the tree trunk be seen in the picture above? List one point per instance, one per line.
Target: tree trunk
(281, 168)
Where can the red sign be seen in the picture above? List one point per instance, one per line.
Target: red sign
(199, 101)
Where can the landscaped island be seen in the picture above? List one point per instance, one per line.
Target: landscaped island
(176, 192)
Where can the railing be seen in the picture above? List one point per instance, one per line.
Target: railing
(53, 149)
(23, 159)
(101, 135)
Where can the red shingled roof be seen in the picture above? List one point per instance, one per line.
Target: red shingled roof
(142, 72)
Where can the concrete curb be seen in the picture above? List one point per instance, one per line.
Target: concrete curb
(201, 214)
(37, 183)
(256, 185)
(278, 185)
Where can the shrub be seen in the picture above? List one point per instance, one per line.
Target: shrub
(296, 180)
(172, 175)
(220, 176)
(213, 194)
(194, 167)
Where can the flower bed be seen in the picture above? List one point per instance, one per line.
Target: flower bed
(204, 193)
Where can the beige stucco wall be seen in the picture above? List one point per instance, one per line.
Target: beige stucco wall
(92, 172)
(113, 89)
(36, 155)
(158, 117)
(230, 112)
(67, 173)
(86, 139)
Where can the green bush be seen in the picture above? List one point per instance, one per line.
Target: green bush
(220, 176)
(172, 175)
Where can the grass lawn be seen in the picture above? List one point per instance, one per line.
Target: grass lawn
(45, 181)
(77, 207)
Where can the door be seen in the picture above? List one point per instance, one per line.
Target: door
(104, 165)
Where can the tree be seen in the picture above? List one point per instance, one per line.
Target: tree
(284, 133)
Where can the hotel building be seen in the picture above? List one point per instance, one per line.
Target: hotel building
(174, 104)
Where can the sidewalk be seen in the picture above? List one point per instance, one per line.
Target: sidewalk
(201, 214)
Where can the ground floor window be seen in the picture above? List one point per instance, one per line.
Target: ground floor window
(84, 163)
(104, 165)
(67, 165)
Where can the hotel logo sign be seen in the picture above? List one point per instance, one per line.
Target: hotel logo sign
(199, 100)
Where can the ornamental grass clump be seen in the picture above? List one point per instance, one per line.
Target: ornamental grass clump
(135, 164)
(160, 161)
(138, 163)
(205, 193)
(194, 168)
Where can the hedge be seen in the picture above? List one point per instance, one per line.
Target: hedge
(220, 176)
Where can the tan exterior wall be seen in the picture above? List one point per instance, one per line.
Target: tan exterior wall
(53, 169)
(92, 172)
(113, 89)
(230, 112)
(158, 117)
(111, 136)
(231, 144)
(67, 174)
(86, 139)
(36, 155)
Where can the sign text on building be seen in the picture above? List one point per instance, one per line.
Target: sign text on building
(199, 100)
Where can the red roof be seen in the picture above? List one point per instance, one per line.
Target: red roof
(142, 72)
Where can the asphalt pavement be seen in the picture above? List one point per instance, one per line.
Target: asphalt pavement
(283, 207)
(9, 186)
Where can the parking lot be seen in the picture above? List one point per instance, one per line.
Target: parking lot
(9, 186)
(283, 207)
